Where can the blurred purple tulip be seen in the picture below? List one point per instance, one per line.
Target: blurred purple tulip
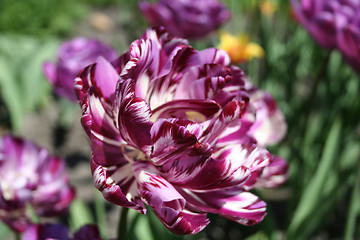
(73, 56)
(166, 127)
(186, 18)
(274, 175)
(60, 232)
(29, 175)
(325, 18)
(268, 122)
(349, 42)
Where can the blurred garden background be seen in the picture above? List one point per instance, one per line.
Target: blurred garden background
(314, 87)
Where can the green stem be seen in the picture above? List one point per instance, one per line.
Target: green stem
(122, 224)
(353, 209)
(100, 211)
(17, 236)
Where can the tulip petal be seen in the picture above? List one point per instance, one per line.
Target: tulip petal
(216, 126)
(166, 202)
(117, 184)
(49, 69)
(233, 203)
(214, 56)
(132, 115)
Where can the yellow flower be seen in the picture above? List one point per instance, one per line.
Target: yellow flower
(239, 48)
(268, 8)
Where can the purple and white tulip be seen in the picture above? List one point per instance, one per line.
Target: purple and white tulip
(29, 175)
(73, 56)
(186, 18)
(60, 232)
(325, 18)
(166, 127)
(268, 122)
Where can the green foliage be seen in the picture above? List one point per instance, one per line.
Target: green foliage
(39, 17)
(22, 85)
(80, 214)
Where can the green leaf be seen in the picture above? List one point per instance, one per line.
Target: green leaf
(312, 195)
(36, 88)
(100, 211)
(80, 214)
(143, 230)
(4, 231)
(11, 94)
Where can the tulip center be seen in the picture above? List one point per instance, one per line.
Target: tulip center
(133, 154)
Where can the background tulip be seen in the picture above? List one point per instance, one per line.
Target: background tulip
(30, 177)
(74, 55)
(186, 18)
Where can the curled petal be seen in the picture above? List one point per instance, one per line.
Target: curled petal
(273, 175)
(155, 190)
(270, 126)
(169, 141)
(118, 185)
(233, 203)
(216, 126)
(132, 115)
(214, 56)
(98, 123)
(166, 201)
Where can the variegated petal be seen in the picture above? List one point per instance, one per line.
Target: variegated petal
(166, 201)
(132, 115)
(233, 203)
(117, 184)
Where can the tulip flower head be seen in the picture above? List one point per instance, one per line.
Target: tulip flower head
(30, 176)
(167, 129)
(239, 48)
(186, 18)
(325, 18)
(73, 56)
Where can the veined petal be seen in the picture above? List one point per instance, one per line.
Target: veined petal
(156, 190)
(99, 125)
(248, 155)
(185, 222)
(132, 115)
(233, 203)
(117, 184)
(208, 174)
(269, 126)
(166, 201)
(170, 141)
(273, 175)
(213, 128)
(214, 55)
(228, 166)
(236, 133)
(162, 88)
(203, 82)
